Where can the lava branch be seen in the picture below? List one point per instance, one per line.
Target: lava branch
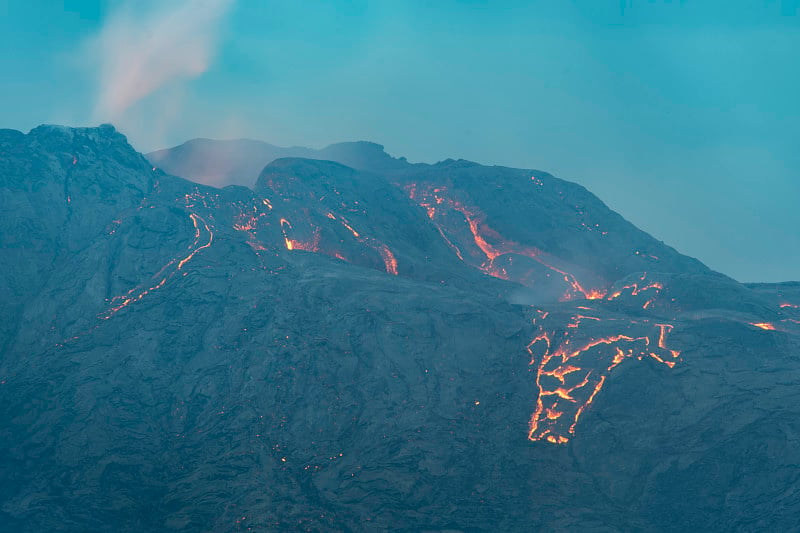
(388, 258)
(637, 288)
(433, 198)
(570, 375)
(164, 274)
(248, 221)
(189, 257)
(389, 261)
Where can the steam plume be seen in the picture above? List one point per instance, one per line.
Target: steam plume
(140, 52)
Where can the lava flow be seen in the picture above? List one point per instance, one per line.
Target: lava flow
(160, 278)
(490, 244)
(386, 255)
(389, 261)
(570, 373)
(637, 288)
(292, 244)
(248, 221)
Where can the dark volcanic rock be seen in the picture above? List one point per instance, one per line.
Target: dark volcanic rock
(394, 347)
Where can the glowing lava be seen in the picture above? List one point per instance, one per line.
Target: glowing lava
(248, 220)
(291, 244)
(388, 258)
(389, 261)
(137, 293)
(570, 373)
(638, 288)
(635, 289)
(210, 233)
(489, 242)
(763, 325)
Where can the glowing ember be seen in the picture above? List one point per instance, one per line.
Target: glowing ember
(763, 325)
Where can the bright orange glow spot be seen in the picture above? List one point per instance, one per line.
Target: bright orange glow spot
(388, 259)
(293, 244)
(763, 325)
(552, 414)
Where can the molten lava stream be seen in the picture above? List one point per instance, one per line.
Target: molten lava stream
(490, 243)
(164, 274)
(386, 255)
(569, 375)
(291, 244)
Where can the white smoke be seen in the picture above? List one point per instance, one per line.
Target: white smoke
(142, 48)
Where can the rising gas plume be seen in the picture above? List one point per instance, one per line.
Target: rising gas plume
(139, 51)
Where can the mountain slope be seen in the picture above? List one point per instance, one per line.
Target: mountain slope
(523, 225)
(178, 357)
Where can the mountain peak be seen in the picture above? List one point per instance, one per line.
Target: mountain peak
(73, 155)
(362, 155)
(240, 161)
(101, 141)
(101, 132)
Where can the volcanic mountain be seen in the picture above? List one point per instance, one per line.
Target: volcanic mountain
(359, 343)
(239, 162)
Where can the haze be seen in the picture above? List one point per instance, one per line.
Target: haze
(682, 116)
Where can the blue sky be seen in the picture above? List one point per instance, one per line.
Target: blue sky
(684, 116)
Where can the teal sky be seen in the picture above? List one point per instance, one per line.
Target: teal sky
(684, 116)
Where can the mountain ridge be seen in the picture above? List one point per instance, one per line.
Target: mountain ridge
(238, 161)
(450, 347)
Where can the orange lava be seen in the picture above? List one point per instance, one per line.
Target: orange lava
(188, 258)
(137, 293)
(570, 374)
(763, 325)
(635, 289)
(488, 242)
(388, 258)
(293, 244)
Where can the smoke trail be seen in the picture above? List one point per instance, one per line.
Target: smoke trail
(140, 51)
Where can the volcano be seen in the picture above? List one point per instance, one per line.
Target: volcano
(342, 340)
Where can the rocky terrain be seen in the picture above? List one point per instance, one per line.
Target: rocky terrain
(358, 343)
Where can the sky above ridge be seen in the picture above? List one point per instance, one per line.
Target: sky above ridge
(684, 116)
